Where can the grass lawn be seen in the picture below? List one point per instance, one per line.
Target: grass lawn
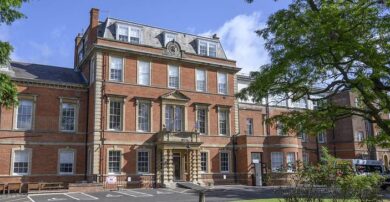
(262, 200)
(279, 200)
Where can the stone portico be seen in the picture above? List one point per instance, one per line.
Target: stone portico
(178, 158)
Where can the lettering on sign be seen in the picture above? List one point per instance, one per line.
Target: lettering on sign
(111, 179)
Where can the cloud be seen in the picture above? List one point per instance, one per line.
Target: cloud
(241, 43)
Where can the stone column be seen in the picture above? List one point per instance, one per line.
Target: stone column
(170, 166)
(191, 165)
(158, 166)
(198, 166)
(165, 167)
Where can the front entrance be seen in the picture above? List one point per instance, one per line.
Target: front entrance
(176, 166)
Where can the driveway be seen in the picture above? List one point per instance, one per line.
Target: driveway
(217, 193)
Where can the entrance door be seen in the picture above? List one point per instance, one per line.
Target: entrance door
(176, 166)
(256, 160)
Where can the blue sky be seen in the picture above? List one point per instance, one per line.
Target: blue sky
(47, 35)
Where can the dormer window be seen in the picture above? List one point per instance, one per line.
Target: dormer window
(123, 33)
(169, 37)
(135, 35)
(128, 34)
(207, 48)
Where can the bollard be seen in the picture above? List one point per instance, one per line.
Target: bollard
(202, 197)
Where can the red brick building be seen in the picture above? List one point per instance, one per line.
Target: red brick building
(150, 105)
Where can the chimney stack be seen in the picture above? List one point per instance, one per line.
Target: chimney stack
(94, 18)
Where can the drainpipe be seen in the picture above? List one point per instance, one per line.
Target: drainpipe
(155, 166)
(318, 149)
(234, 141)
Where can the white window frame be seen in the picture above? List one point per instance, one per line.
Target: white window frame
(29, 161)
(279, 129)
(139, 70)
(228, 161)
(205, 80)
(227, 84)
(208, 43)
(304, 137)
(124, 27)
(178, 76)
(321, 137)
(121, 101)
(76, 104)
(227, 110)
(207, 161)
(148, 102)
(305, 158)
(120, 161)
(359, 136)
(123, 68)
(249, 126)
(301, 103)
(279, 166)
(148, 162)
(202, 107)
(16, 111)
(129, 29)
(291, 162)
(73, 163)
(183, 116)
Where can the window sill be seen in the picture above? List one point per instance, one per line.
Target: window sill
(67, 131)
(20, 174)
(115, 81)
(66, 174)
(145, 174)
(22, 130)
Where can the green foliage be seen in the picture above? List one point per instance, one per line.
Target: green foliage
(319, 48)
(8, 91)
(9, 11)
(335, 179)
(8, 14)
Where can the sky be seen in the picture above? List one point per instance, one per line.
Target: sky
(47, 35)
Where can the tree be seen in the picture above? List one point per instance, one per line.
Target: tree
(324, 47)
(8, 14)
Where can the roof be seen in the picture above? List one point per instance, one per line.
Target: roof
(46, 73)
(154, 36)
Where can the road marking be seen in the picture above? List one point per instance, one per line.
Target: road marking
(125, 193)
(133, 193)
(16, 199)
(72, 197)
(113, 196)
(30, 198)
(81, 196)
(164, 192)
(137, 192)
(56, 199)
(181, 192)
(96, 198)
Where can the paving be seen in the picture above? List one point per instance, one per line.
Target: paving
(215, 194)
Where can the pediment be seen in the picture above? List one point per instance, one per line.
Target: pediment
(175, 95)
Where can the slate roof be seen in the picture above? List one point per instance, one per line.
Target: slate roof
(154, 36)
(46, 73)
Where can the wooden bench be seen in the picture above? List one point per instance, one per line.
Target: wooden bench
(51, 185)
(14, 187)
(2, 188)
